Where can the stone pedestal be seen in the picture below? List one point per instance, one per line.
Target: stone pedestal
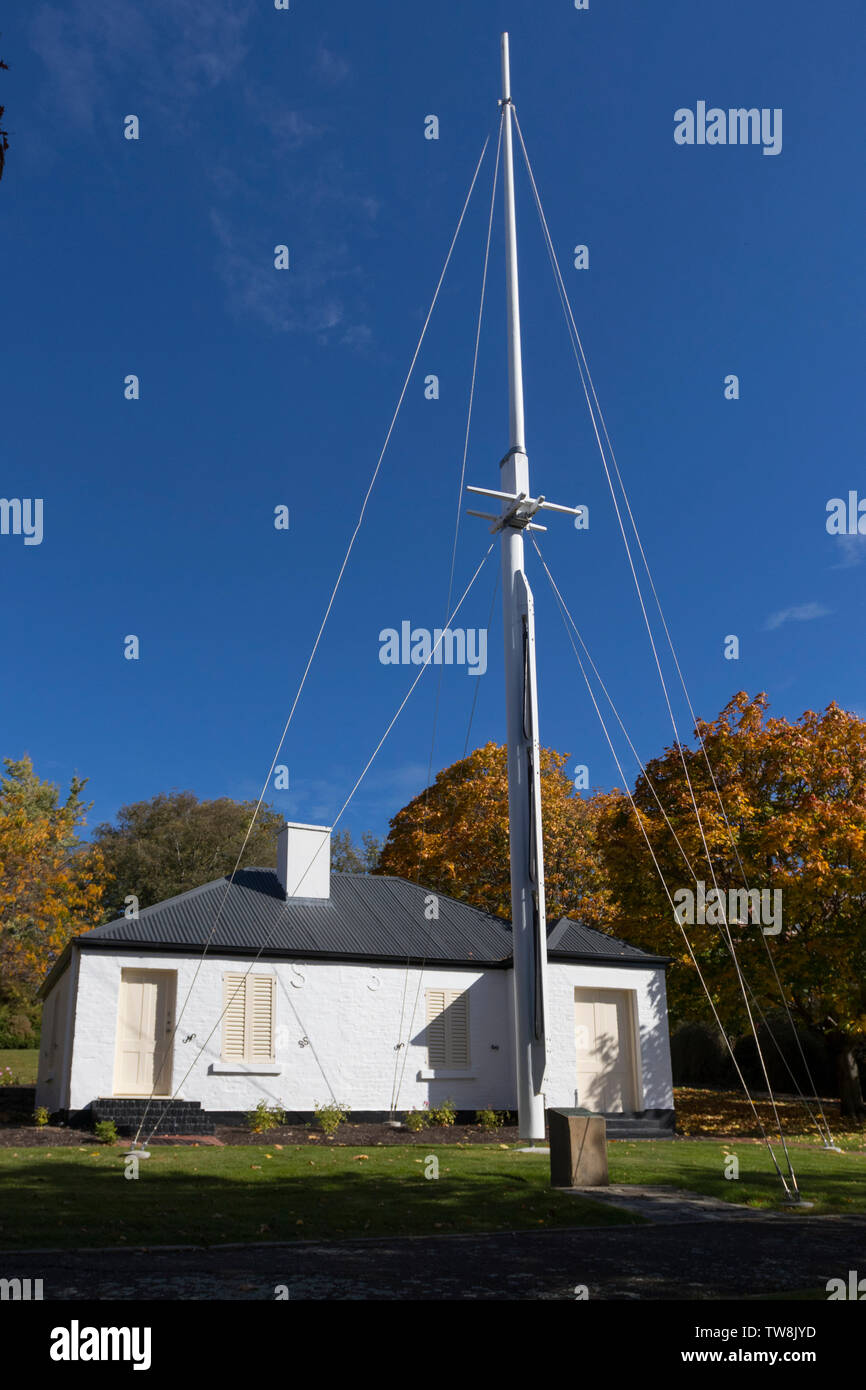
(578, 1149)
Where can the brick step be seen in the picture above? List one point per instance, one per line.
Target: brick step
(635, 1132)
(647, 1124)
(173, 1117)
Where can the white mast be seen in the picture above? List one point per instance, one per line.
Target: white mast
(521, 698)
(524, 787)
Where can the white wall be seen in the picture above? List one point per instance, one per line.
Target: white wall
(351, 1015)
(648, 989)
(53, 1044)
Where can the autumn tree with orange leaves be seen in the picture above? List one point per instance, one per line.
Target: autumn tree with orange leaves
(50, 887)
(453, 838)
(794, 795)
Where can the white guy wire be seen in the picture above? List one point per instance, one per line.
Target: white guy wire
(330, 605)
(294, 893)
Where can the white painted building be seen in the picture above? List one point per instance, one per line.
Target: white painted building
(362, 989)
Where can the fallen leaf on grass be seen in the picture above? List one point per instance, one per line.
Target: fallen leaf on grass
(359, 1157)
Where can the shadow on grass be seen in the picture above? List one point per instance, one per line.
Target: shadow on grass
(88, 1202)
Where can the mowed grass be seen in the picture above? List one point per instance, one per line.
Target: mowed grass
(23, 1062)
(834, 1182)
(62, 1197)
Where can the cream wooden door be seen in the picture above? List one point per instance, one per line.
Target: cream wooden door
(605, 1049)
(144, 1022)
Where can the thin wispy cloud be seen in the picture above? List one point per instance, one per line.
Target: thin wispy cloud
(799, 613)
(106, 58)
(322, 293)
(305, 299)
(101, 53)
(289, 128)
(851, 551)
(330, 67)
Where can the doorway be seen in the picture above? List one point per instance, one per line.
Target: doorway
(605, 1037)
(145, 1018)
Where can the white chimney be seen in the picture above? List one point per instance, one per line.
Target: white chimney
(304, 860)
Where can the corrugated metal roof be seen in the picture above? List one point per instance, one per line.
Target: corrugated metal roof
(570, 938)
(372, 916)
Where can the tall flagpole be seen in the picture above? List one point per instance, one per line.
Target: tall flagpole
(524, 789)
(529, 932)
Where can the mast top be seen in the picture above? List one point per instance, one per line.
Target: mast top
(506, 70)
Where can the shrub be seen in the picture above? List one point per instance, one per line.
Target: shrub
(699, 1056)
(40, 1115)
(490, 1120)
(416, 1120)
(19, 1025)
(776, 1036)
(8, 1077)
(105, 1131)
(443, 1114)
(331, 1116)
(265, 1118)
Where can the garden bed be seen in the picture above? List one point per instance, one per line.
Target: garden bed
(374, 1132)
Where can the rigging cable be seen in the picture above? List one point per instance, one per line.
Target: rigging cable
(582, 366)
(396, 1085)
(330, 603)
(812, 1116)
(294, 893)
(564, 609)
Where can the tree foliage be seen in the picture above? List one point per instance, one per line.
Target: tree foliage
(50, 887)
(175, 842)
(350, 858)
(795, 799)
(4, 139)
(453, 837)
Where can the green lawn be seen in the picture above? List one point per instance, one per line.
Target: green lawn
(62, 1197)
(835, 1182)
(24, 1062)
(79, 1197)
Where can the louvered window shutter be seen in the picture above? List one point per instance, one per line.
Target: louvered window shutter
(260, 1018)
(447, 1028)
(458, 1029)
(234, 1006)
(437, 1042)
(248, 1019)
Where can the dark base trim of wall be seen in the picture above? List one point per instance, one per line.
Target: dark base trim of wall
(188, 1118)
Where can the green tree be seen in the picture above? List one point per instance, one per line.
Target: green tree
(349, 858)
(175, 842)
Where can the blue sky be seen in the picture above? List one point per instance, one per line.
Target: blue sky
(262, 387)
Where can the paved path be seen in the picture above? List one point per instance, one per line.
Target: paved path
(666, 1204)
(722, 1256)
